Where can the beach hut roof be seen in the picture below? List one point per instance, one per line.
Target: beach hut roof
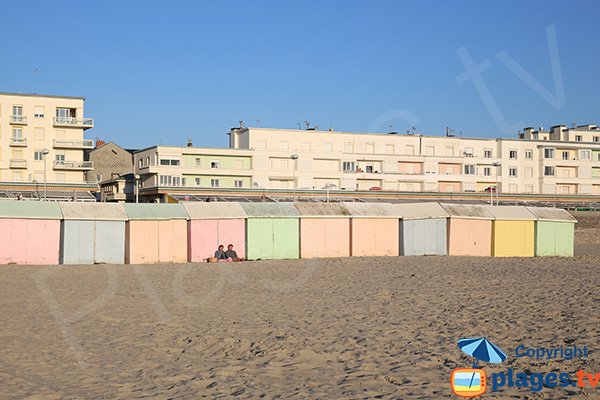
(322, 210)
(214, 210)
(153, 211)
(473, 211)
(420, 210)
(551, 214)
(510, 213)
(266, 210)
(93, 211)
(373, 210)
(29, 209)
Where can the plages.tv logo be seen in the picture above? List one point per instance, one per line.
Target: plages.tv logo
(471, 382)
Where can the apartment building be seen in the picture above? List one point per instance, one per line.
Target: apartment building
(42, 139)
(562, 161)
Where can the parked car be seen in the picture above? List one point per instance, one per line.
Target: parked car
(375, 188)
(490, 189)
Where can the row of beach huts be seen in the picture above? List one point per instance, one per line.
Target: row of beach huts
(88, 233)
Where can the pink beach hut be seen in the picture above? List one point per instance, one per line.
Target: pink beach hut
(324, 230)
(212, 224)
(374, 229)
(469, 230)
(30, 232)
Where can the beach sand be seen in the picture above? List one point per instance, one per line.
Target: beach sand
(355, 328)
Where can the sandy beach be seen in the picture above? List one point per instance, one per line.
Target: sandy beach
(355, 328)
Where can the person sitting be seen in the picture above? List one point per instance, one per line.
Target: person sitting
(232, 254)
(220, 253)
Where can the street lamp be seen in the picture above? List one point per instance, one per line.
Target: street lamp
(137, 187)
(295, 158)
(497, 165)
(329, 186)
(45, 152)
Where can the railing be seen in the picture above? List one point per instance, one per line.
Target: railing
(15, 141)
(18, 119)
(18, 163)
(74, 144)
(71, 121)
(73, 164)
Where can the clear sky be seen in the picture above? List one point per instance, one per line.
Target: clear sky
(160, 72)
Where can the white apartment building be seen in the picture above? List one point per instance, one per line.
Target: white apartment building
(562, 161)
(42, 139)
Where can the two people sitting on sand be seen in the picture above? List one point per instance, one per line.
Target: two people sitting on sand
(229, 255)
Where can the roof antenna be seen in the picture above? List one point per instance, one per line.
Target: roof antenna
(299, 125)
(189, 142)
(331, 127)
(241, 123)
(258, 122)
(307, 124)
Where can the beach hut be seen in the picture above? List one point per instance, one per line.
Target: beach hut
(272, 230)
(324, 230)
(423, 229)
(469, 230)
(30, 232)
(155, 233)
(212, 224)
(554, 231)
(513, 231)
(374, 229)
(92, 233)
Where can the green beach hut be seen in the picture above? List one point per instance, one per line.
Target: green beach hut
(554, 232)
(272, 230)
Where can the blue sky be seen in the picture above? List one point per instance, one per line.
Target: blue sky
(160, 72)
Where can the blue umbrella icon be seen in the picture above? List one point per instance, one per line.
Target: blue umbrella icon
(482, 349)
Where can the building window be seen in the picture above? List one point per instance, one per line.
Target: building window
(175, 162)
(17, 135)
(548, 153)
(487, 153)
(38, 156)
(238, 183)
(60, 157)
(214, 183)
(535, 136)
(214, 164)
(38, 112)
(596, 139)
(348, 166)
(512, 154)
(565, 155)
(468, 152)
(487, 171)
(469, 170)
(586, 154)
(197, 181)
(17, 111)
(529, 154)
(512, 172)
(578, 138)
(369, 168)
(198, 161)
(548, 171)
(165, 162)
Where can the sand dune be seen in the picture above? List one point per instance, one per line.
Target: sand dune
(339, 328)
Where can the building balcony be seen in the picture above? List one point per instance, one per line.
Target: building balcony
(18, 142)
(71, 122)
(18, 120)
(18, 163)
(73, 144)
(73, 165)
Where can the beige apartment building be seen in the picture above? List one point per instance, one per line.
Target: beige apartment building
(43, 133)
(561, 161)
